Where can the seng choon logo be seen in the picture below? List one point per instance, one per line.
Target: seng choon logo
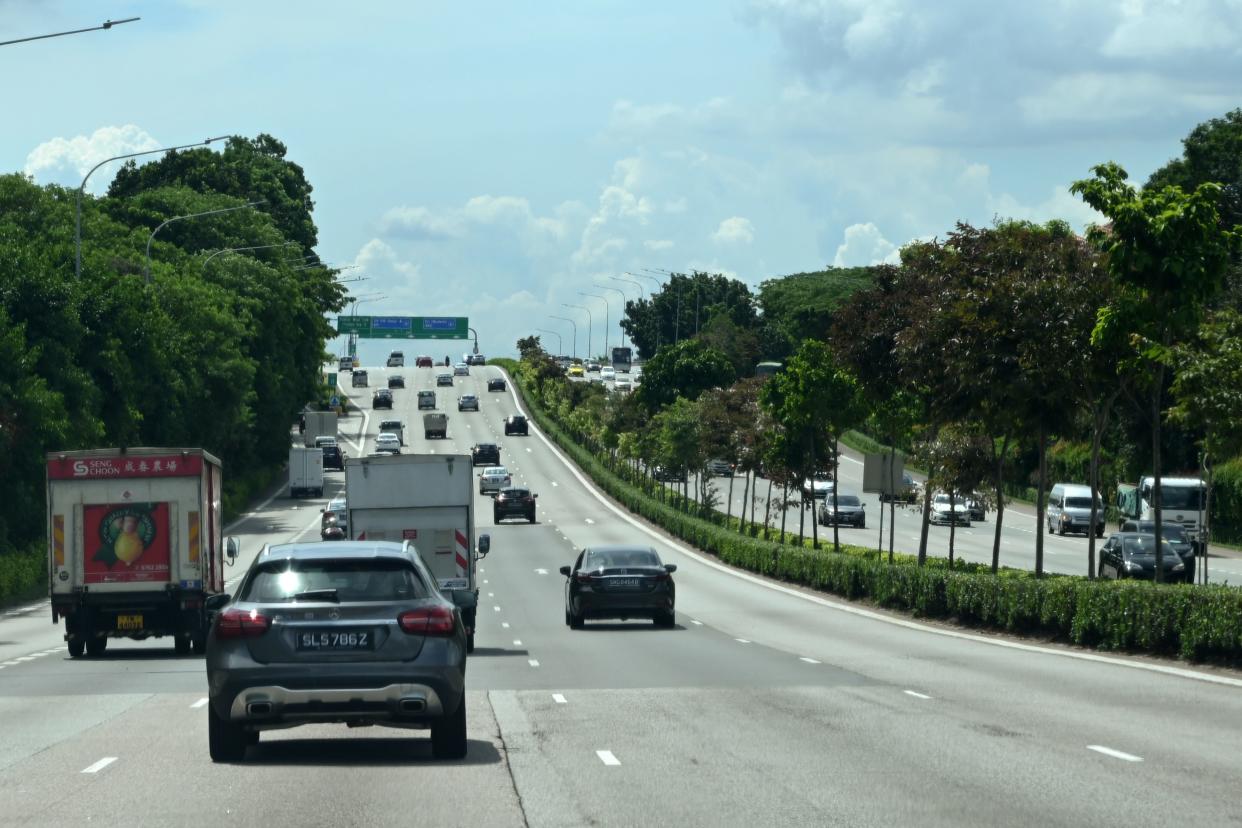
(124, 534)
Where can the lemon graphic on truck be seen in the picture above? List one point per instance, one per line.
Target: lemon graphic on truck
(124, 534)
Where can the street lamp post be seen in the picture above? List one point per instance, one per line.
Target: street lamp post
(560, 343)
(571, 322)
(107, 24)
(642, 294)
(240, 249)
(624, 299)
(590, 325)
(77, 221)
(167, 222)
(603, 299)
(659, 284)
(352, 342)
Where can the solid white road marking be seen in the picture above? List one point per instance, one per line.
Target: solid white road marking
(741, 641)
(558, 698)
(100, 765)
(533, 662)
(916, 695)
(607, 758)
(808, 660)
(198, 703)
(1116, 754)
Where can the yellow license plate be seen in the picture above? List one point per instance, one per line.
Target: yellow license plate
(129, 622)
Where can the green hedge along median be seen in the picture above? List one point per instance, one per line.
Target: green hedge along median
(1194, 622)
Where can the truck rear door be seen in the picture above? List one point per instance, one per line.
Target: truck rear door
(439, 533)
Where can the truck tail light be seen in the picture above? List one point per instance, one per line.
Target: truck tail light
(427, 621)
(239, 623)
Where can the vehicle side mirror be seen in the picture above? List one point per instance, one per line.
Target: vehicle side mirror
(485, 544)
(231, 549)
(564, 570)
(534, 495)
(670, 568)
(215, 603)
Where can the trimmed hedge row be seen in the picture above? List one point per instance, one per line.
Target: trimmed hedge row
(23, 573)
(1194, 622)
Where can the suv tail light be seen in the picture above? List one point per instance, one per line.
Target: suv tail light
(239, 623)
(427, 621)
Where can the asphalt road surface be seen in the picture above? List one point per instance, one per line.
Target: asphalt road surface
(764, 705)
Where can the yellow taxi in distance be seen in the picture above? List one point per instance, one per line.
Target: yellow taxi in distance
(575, 370)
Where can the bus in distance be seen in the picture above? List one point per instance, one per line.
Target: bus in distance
(621, 360)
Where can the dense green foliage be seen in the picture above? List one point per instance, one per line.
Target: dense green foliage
(1198, 623)
(219, 355)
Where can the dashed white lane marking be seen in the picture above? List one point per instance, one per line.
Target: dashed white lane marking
(809, 660)
(553, 482)
(558, 698)
(741, 641)
(485, 581)
(607, 758)
(25, 658)
(495, 609)
(533, 662)
(916, 695)
(491, 595)
(1116, 754)
(588, 520)
(198, 704)
(541, 572)
(696, 623)
(504, 624)
(517, 642)
(100, 765)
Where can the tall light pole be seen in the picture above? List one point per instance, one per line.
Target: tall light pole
(77, 221)
(560, 343)
(240, 249)
(167, 222)
(571, 322)
(642, 294)
(659, 334)
(360, 300)
(623, 301)
(107, 24)
(603, 299)
(590, 326)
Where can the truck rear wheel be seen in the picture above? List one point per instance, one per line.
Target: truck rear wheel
(198, 643)
(96, 646)
(181, 644)
(76, 647)
(470, 642)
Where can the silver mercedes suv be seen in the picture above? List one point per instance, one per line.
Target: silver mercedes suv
(354, 632)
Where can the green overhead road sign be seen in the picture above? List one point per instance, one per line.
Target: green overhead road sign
(404, 327)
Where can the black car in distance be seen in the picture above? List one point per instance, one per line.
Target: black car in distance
(333, 457)
(1133, 555)
(485, 454)
(347, 632)
(512, 502)
(516, 424)
(382, 399)
(496, 384)
(396, 381)
(619, 582)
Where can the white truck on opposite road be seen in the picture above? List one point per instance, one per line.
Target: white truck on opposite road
(135, 544)
(427, 499)
(1182, 500)
(305, 471)
(319, 424)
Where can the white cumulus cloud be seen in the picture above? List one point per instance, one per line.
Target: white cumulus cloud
(66, 160)
(735, 230)
(864, 245)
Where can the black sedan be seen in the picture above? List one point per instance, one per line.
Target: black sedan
(496, 384)
(1133, 555)
(485, 454)
(619, 582)
(382, 399)
(513, 502)
(849, 511)
(333, 458)
(1174, 535)
(516, 424)
(347, 632)
(396, 381)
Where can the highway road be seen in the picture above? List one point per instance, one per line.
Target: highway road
(765, 704)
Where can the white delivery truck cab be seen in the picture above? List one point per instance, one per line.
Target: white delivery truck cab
(305, 471)
(427, 499)
(135, 545)
(319, 424)
(1182, 502)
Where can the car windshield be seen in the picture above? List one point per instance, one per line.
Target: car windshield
(1169, 531)
(515, 493)
(1143, 547)
(1186, 498)
(608, 558)
(848, 500)
(493, 471)
(1078, 503)
(371, 579)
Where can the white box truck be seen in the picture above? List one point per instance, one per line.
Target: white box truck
(319, 424)
(305, 471)
(1182, 502)
(135, 544)
(427, 499)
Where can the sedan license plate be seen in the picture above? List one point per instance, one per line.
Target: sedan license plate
(129, 622)
(335, 640)
(624, 583)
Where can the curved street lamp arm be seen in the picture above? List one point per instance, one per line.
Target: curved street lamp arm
(167, 222)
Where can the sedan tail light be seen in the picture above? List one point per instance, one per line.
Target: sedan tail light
(427, 621)
(239, 623)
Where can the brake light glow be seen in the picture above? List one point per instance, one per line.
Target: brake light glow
(239, 623)
(427, 621)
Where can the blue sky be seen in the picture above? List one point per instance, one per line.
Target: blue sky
(493, 159)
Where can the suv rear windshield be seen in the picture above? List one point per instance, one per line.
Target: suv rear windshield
(370, 579)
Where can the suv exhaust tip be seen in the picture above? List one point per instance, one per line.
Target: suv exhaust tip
(413, 705)
(259, 709)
